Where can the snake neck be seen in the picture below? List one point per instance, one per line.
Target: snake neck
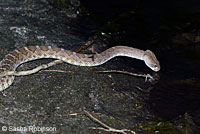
(119, 51)
(147, 56)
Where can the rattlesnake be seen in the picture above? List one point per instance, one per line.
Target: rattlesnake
(24, 54)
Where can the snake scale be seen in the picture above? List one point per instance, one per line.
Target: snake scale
(12, 60)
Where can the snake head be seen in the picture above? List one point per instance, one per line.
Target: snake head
(151, 60)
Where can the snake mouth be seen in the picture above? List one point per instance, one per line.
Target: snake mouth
(156, 69)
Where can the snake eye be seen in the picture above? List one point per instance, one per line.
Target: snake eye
(155, 65)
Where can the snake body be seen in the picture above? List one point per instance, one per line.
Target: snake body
(25, 54)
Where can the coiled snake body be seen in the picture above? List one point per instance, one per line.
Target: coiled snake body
(22, 55)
